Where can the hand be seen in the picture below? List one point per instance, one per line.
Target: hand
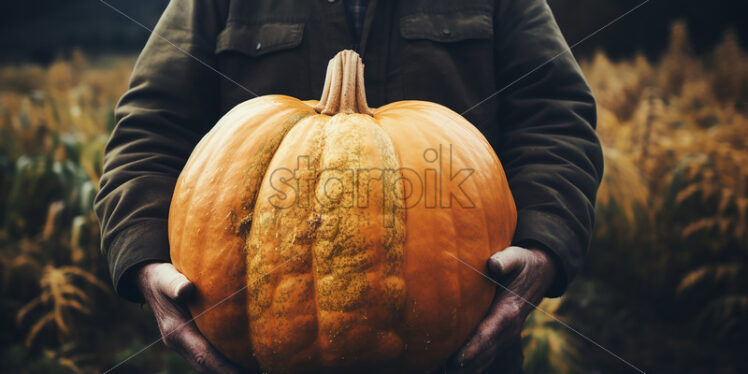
(165, 289)
(527, 273)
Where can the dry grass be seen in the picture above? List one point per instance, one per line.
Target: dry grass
(673, 205)
(676, 127)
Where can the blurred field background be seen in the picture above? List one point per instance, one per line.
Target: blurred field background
(665, 285)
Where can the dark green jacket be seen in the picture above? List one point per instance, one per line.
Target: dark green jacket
(500, 62)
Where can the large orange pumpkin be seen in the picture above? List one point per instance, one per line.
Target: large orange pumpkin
(328, 237)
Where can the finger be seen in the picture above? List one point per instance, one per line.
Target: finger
(493, 333)
(468, 360)
(204, 357)
(172, 283)
(506, 262)
(198, 352)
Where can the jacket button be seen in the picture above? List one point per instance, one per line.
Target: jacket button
(258, 46)
(446, 31)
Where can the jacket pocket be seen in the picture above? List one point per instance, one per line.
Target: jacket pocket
(447, 27)
(446, 55)
(259, 39)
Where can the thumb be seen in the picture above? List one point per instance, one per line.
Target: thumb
(174, 284)
(505, 262)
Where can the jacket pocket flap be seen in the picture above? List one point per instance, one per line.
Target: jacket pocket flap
(447, 27)
(256, 40)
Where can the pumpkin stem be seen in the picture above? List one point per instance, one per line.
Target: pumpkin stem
(344, 86)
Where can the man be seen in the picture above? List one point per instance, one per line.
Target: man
(205, 57)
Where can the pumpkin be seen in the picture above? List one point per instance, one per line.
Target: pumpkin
(327, 236)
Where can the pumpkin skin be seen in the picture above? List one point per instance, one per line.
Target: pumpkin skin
(303, 266)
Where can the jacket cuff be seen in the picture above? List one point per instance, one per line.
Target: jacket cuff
(549, 233)
(140, 243)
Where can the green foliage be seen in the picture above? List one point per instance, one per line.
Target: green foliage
(548, 346)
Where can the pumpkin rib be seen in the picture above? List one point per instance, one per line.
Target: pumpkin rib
(377, 273)
(299, 133)
(378, 114)
(315, 273)
(193, 211)
(253, 253)
(391, 117)
(449, 116)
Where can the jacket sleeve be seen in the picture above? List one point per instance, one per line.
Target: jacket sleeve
(170, 104)
(548, 146)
